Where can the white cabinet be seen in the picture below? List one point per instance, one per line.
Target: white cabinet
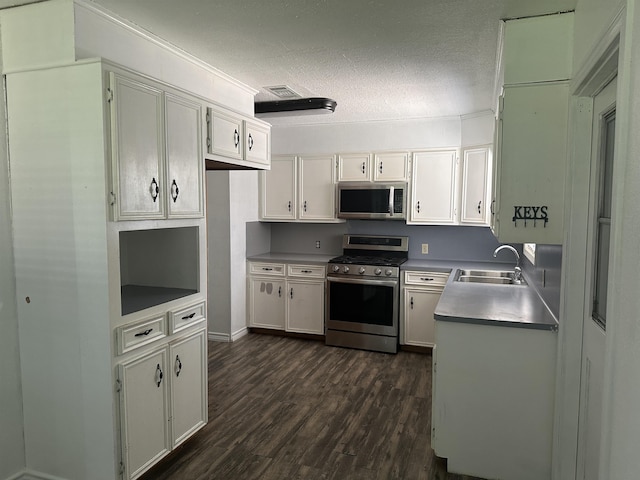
(144, 411)
(420, 294)
(433, 188)
(286, 297)
(92, 338)
(156, 151)
(163, 400)
(530, 170)
(379, 167)
(475, 185)
(317, 188)
(266, 302)
(237, 140)
(299, 189)
(188, 370)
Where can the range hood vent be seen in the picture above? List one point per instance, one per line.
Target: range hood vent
(296, 106)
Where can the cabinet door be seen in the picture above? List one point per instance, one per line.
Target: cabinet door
(137, 149)
(533, 160)
(433, 188)
(257, 145)
(317, 189)
(278, 190)
(144, 411)
(419, 325)
(476, 166)
(354, 167)
(391, 167)
(495, 185)
(225, 134)
(188, 369)
(305, 307)
(184, 157)
(266, 302)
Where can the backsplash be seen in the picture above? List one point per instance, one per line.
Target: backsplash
(545, 275)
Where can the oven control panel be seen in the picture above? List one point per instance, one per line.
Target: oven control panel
(363, 270)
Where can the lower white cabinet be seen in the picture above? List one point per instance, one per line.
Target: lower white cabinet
(163, 399)
(286, 297)
(420, 294)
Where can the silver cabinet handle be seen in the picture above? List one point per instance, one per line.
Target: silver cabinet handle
(391, 195)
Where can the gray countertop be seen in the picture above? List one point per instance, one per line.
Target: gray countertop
(307, 258)
(497, 305)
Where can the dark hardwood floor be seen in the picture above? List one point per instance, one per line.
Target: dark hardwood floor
(285, 408)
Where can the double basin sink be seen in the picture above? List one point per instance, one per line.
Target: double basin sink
(492, 277)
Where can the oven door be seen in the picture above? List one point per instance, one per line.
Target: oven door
(362, 305)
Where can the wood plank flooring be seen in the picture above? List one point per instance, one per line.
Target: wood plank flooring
(286, 408)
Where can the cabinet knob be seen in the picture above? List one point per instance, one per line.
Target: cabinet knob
(154, 189)
(236, 138)
(159, 375)
(174, 190)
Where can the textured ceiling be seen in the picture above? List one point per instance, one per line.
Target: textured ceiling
(379, 59)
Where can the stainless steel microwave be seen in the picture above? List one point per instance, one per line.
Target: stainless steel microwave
(369, 200)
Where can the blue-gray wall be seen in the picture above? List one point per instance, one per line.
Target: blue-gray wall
(545, 275)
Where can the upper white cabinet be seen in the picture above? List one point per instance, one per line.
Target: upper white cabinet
(475, 191)
(238, 140)
(278, 189)
(377, 167)
(156, 151)
(530, 171)
(299, 189)
(433, 187)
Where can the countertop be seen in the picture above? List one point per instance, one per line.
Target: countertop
(483, 304)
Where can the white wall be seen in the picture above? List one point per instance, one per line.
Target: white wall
(12, 451)
(243, 208)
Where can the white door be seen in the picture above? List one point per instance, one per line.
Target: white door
(137, 149)
(256, 143)
(419, 324)
(278, 189)
(305, 307)
(266, 302)
(433, 188)
(225, 135)
(184, 157)
(476, 164)
(391, 167)
(591, 382)
(188, 370)
(354, 167)
(316, 187)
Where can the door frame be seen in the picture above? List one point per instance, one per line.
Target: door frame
(601, 66)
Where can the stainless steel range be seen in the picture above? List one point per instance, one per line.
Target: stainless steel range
(363, 293)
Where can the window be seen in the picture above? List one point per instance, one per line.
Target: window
(603, 223)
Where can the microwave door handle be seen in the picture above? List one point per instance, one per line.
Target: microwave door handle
(391, 201)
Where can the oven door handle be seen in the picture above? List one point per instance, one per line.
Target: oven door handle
(382, 282)
(391, 195)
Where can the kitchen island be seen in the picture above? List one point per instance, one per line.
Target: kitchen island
(493, 381)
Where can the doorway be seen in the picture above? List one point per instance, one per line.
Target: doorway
(596, 282)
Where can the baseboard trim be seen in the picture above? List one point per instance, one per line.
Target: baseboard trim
(218, 337)
(33, 475)
(282, 333)
(239, 334)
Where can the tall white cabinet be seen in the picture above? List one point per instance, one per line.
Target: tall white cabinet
(111, 312)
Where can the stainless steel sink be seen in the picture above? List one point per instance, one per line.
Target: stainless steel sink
(495, 277)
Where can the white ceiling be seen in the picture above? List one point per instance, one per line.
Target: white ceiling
(379, 59)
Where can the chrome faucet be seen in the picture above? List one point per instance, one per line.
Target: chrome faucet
(517, 271)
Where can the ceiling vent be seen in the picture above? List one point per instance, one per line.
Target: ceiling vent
(283, 91)
(295, 106)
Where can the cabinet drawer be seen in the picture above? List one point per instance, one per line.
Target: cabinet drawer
(308, 271)
(426, 279)
(129, 337)
(259, 268)
(181, 319)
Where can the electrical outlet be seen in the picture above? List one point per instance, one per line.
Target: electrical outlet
(317, 243)
(425, 248)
